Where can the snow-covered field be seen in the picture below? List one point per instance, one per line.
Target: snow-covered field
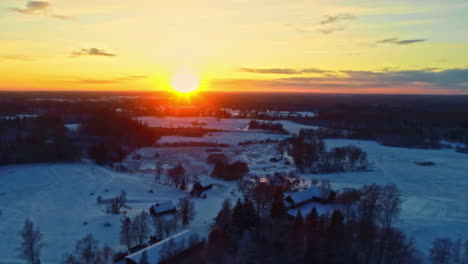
(434, 197)
(213, 123)
(257, 156)
(58, 198)
(231, 138)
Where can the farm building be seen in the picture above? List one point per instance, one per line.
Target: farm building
(163, 208)
(297, 199)
(166, 248)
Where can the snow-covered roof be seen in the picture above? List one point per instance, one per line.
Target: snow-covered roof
(163, 207)
(302, 196)
(154, 251)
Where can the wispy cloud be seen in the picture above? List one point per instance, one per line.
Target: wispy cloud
(281, 70)
(396, 41)
(92, 52)
(16, 57)
(400, 81)
(331, 24)
(337, 18)
(330, 30)
(115, 80)
(38, 8)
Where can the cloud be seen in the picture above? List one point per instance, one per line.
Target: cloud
(15, 57)
(327, 31)
(331, 24)
(396, 41)
(337, 18)
(108, 81)
(281, 70)
(92, 52)
(388, 81)
(38, 8)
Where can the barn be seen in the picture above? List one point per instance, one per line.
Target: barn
(297, 199)
(163, 208)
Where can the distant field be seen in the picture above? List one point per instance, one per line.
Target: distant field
(236, 124)
(231, 138)
(434, 197)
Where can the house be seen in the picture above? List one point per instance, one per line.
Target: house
(297, 199)
(168, 247)
(198, 189)
(163, 208)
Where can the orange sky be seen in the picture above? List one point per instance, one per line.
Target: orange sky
(339, 46)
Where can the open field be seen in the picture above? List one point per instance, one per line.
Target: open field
(434, 197)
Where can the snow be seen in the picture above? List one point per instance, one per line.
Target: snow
(73, 127)
(434, 197)
(229, 124)
(57, 198)
(19, 116)
(210, 122)
(231, 138)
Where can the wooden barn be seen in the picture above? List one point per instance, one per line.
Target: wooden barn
(163, 208)
(297, 199)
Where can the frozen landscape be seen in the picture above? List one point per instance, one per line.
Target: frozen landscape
(61, 198)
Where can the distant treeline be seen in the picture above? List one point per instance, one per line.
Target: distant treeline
(267, 125)
(119, 136)
(41, 139)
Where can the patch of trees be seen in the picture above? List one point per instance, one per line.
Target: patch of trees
(267, 125)
(447, 251)
(120, 135)
(41, 139)
(230, 171)
(309, 155)
(367, 235)
(88, 251)
(143, 227)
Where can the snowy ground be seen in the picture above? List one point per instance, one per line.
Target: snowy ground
(213, 123)
(194, 159)
(57, 197)
(231, 138)
(434, 197)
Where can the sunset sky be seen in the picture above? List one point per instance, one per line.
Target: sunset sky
(339, 46)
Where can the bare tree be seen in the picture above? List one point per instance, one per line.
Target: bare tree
(140, 228)
(117, 203)
(390, 206)
(186, 209)
(177, 175)
(87, 251)
(31, 245)
(126, 237)
(158, 173)
(456, 251)
(440, 253)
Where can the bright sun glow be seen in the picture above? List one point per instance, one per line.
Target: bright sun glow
(185, 81)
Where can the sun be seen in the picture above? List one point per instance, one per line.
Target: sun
(185, 82)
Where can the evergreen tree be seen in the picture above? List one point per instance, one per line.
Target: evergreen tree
(277, 209)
